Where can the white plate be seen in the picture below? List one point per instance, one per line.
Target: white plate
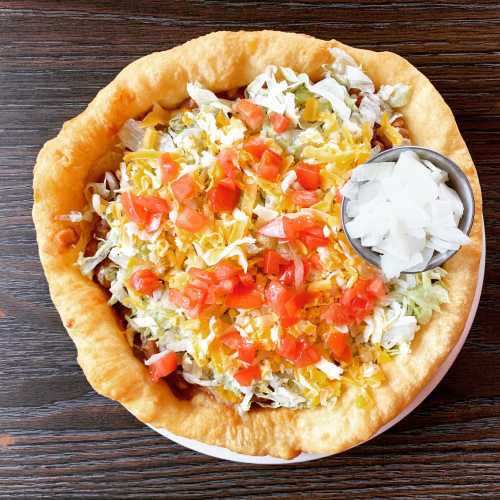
(225, 454)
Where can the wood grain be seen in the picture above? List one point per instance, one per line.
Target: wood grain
(58, 439)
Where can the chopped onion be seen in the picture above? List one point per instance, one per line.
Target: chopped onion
(403, 211)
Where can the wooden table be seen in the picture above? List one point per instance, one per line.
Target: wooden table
(60, 439)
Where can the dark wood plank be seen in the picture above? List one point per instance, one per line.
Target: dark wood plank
(57, 437)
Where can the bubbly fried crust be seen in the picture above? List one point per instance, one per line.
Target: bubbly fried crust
(80, 153)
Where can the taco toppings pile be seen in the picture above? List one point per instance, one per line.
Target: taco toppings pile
(219, 240)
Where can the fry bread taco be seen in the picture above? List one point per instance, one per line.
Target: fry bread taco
(188, 223)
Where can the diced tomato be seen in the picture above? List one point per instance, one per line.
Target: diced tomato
(303, 198)
(339, 346)
(291, 308)
(141, 209)
(201, 278)
(308, 355)
(308, 175)
(269, 167)
(277, 296)
(227, 160)
(145, 281)
(163, 367)
(169, 168)
(132, 209)
(336, 314)
(286, 302)
(255, 146)
(356, 302)
(153, 204)
(304, 228)
(191, 299)
(191, 220)
(224, 287)
(224, 196)
(246, 350)
(279, 122)
(338, 197)
(251, 114)
(246, 279)
(232, 339)
(376, 288)
(244, 297)
(288, 347)
(246, 376)
(225, 269)
(313, 237)
(295, 226)
(184, 188)
(272, 262)
(296, 302)
(288, 274)
(298, 351)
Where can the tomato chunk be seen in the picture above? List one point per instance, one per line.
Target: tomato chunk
(255, 146)
(308, 355)
(191, 220)
(246, 350)
(280, 122)
(269, 167)
(185, 188)
(308, 175)
(232, 339)
(251, 114)
(296, 226)
(224, 196)
(300, 352)
(144, 210)
(313, 237)
(163, 367)
(169, 168)
(336, 314)
(272, 262)
(192, 299)
(227, 159)
(244, 297)
(303, 198)
(277, 295)
(246, 376)
(376, 288)
(356, 302)
(145, 281)
(339, 346)
(225, 270)
(201, 278)
(286, 302)
(288, 347)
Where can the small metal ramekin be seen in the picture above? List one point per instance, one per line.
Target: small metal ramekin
(457, 180)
